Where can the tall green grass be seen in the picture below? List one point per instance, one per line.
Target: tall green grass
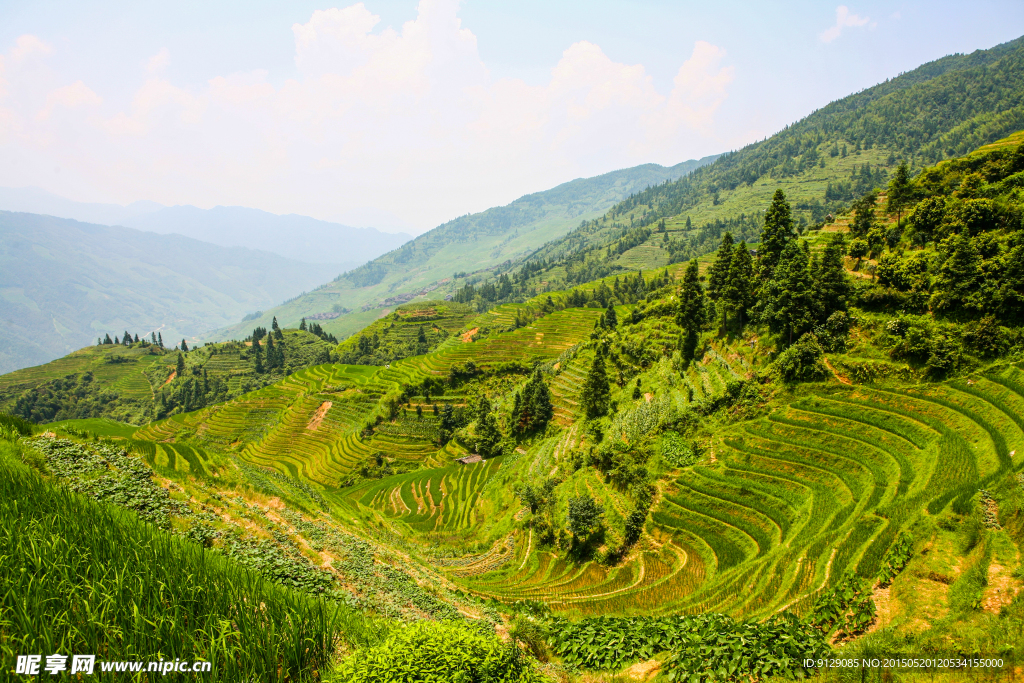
(82, 577)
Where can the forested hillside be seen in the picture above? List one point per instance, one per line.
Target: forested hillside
(710, 435)
(426, 266)
(807, 446)
(823, 163)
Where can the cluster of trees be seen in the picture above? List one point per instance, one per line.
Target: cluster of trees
(531, 407)
(156, 339)
(191, 389)
(795, 290)
(274, 355)
(315, 328)
(394, 344)
(786, 287)
(77, 396)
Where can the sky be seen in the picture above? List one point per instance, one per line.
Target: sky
(401, 115)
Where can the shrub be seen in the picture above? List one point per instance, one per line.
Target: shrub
(438, 652)
(802, 362)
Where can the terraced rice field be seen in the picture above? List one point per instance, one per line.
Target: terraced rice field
(181, 458)
(824, 485)
(429, 501)
(785, 503)
(274, 427)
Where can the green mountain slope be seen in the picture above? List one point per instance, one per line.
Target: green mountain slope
(64, 283)
(468, 243)
(834, 447)
(823, 162)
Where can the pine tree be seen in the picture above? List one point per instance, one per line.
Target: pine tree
(257, 354)
(107, 339)
(956, 286)
(692, 311)
(899, 195)
(184, 346)
(488, 435)
(595, 395)
(136, 339)
(271, 355)
(864, 216)
(611, 321)
(116, 340)
(273, 325)
(421, 336)
(776, 234)
(831, 287)
(160, 339)
(719, 273)
(532, 408)
(180, 366)
(790, 311)
(152, 336)
(540, 400)
(738, 293)
(302, 325)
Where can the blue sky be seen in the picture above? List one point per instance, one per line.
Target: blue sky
(402, 114)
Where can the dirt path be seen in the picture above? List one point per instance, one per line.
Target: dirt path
(318, 416)
(841, 378)
(468, 336)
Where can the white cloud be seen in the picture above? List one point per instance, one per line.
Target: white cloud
(407, 123)
(158, 61)
(844, 19)
(72, 96)
(27, 46)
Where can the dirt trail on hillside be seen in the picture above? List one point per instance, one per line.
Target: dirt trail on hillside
(318, 416)
(841, 378)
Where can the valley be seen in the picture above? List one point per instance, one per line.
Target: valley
(764, 411)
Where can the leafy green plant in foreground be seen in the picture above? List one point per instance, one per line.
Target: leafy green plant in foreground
(705, 647)
(77, 576)
(439, 652)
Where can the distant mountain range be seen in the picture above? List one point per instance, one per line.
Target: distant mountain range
(64, 283)
(469, 243)
(300, 238)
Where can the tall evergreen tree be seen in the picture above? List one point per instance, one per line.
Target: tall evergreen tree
(488, 435)
(160, 339)
(179, 368)
(596, 393)
(274, 325)
(257, 354)
(899, 195)
(184, 346)
(532, 408)
(152, 336)
(738, 293)
(957, 283)
(864, 216)
(719, 273)
(302, 325)
(790, 311)
(107, 339)
(776, 234)
(831, 286)
(692, 311)
(611, 321)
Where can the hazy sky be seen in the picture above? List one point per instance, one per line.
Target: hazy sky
(403, 115)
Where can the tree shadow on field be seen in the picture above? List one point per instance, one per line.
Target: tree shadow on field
(585, 550)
